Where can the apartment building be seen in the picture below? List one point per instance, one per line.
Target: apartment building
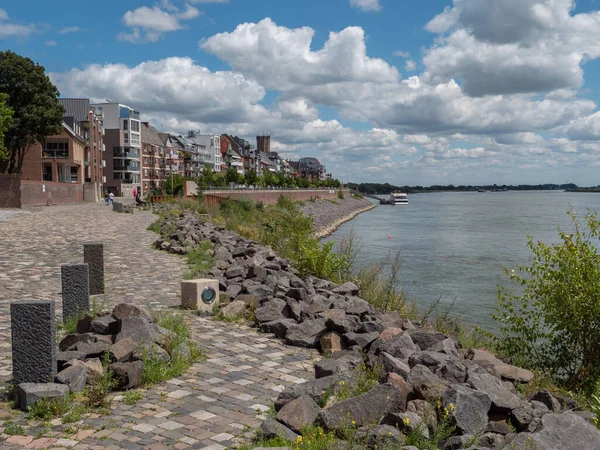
(153, 159)
(122, 140)
(73, 156)
(231, 154)
(174, 154)
(210, 146)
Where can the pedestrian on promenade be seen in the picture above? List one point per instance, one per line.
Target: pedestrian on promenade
(106, 199)
(134, 193)
(111, 198)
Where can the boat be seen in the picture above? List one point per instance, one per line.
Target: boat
(398, 198)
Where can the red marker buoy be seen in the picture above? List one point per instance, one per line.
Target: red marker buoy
(389, 237)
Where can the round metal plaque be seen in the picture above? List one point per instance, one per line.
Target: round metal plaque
(208, 295)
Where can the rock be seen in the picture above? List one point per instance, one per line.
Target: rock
(299, 413)
(513, 373)
(74, 377)
(222, 254)
(452, 371)
(426, 386)
(139, 330)
(30, 393)
(558, 432)
(394, 365)
(151, 351)
(586, 415)
(63, 357)
(346, 289)
(547, 399)
(400, 346)
(316, 389)
(363, 340)
(522, 417)
(362, 410)
(331, 342)
(104, 325)
(458, 442)
(483, 356)
(277, 327)
(234, 309)
(406, 422)
(356, 306)
(250, 300)
(84, 324)
(403, 387)
(389, 333)
(233, 290)
(342, 324)
(272, 429)
(380, 436)
(446, 346)
(270, 311)
(370, 327)
(470, 409)
(306, 334)
(315, 305)
(93, 367)
(430, 359)
(126, 310)
(345, 362)
(122, 351)
(262, 291)
(94, 349)
(498, 427)
(234, 272)
(426, 339)
(425, 410)
(257, 272)
(296, 293)
(128, 374)
(502, 399)
(70, 341)
(181, 352)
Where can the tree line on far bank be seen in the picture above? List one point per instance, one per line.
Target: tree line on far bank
(386, 188)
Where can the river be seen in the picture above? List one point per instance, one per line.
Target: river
(455, 246)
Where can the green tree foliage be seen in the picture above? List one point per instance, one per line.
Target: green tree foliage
(174, 184)
(250, 177)
(5, 122)
(553, 325)
(36, 111)
(232, 176)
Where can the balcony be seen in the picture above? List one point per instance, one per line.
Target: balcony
(129, 154)
(127, 167)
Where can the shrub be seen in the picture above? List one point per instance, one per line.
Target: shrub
(340, 195)
(553, 325)
(49, 408)
(245, 204)
(320, 260)
(101, 385)
(199, 260)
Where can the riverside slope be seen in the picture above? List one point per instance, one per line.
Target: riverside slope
(330, 214)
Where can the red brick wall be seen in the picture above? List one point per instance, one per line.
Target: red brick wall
(10, 191)
(41, 193)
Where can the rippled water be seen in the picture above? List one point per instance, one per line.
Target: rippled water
(456, 245)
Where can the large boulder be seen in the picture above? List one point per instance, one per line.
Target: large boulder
(341, 323)
(452, 371)
(139, 330)
(93, 368)
(446, 346)
(270, 310)
(429, 359)
(123, 310)
(30, 393)
(513, 373)
(425, 339)
(356, 306)
(104, 325)
(469, 409)
(306, 334)
(331, 342)
(299, 413)
(272, 429)
(399, 345)
(277, 327)
(545, 397)
(316, 389)
(340, 362)
(346, 289)
(235, 309)
(74, 377)
(426, 386)
(94, 349)
(558, 432)
(503, 400)
(128, 374)
(70, 341)
(363, 410)
(122, 350)
(394, 365)
(363, 340)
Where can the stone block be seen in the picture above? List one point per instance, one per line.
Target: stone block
(75, 290)
(123, 350)
(74, 377)
(33, 328)
(128, 374)
(192, 294)
(31, 393)
(93, 256)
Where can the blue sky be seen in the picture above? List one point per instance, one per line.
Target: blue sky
(442, 91)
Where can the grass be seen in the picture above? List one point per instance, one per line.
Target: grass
(50, 408)
(155, 226)
(199, 260)
(12, 429)
(366, 379)
(132, 397)
(101, 385)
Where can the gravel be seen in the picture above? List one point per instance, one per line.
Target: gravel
(329, 214)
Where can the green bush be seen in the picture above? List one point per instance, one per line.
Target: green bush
(245, 204)
(340, 195)
(199, 260)
(553, 323)
(320, 260)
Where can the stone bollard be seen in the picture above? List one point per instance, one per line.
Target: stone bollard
(75, 289)
(201, 294)
(93, 256)
(33, 329)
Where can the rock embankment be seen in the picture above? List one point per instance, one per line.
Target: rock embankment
(330, 214)
(425, 380)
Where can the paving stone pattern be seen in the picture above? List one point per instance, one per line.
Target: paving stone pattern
(218, 403)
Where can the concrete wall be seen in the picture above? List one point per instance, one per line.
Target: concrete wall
(41, 193)
(271, 197)
(10, 191)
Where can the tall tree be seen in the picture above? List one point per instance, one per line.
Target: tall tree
(33, 100)
(5, 122)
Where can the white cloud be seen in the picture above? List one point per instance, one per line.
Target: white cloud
(66, 30)
(401, 54)
(366, 5)
(584, 128)
(512, 46)
(150, 24)
(11, 29)
(410, 66)
(51, 43)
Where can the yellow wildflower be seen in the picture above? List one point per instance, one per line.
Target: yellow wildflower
(299, 439)
(406, 421)
(451, 406)
(354, 422)
(341, 383)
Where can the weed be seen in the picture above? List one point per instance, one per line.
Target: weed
(155, 226)
(132, 397)
(69, 325)
(12, 430)
(101, 385)
(340, 195)
(199, 260)
(366, 379)
(75, 414)
(48, 408)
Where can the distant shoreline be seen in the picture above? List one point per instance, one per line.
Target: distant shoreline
(334, 226)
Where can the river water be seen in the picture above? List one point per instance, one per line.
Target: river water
(455, 246)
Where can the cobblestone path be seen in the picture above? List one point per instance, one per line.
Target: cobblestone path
(215, 405)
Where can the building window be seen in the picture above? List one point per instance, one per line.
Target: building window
(73, 174)
(125, 124)
(135, 125)
(47, 171)
(56, 150)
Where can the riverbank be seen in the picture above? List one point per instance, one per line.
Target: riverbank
(328, 215)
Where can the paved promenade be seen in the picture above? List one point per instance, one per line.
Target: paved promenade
(213, 406)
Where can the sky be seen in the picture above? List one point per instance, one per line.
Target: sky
(418, 93)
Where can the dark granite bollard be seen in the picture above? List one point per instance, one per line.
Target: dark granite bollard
(33, 329)
(93, 256)
(75, 289)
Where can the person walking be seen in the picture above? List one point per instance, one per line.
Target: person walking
(106, 199)
(111, 198)
(134, 193)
